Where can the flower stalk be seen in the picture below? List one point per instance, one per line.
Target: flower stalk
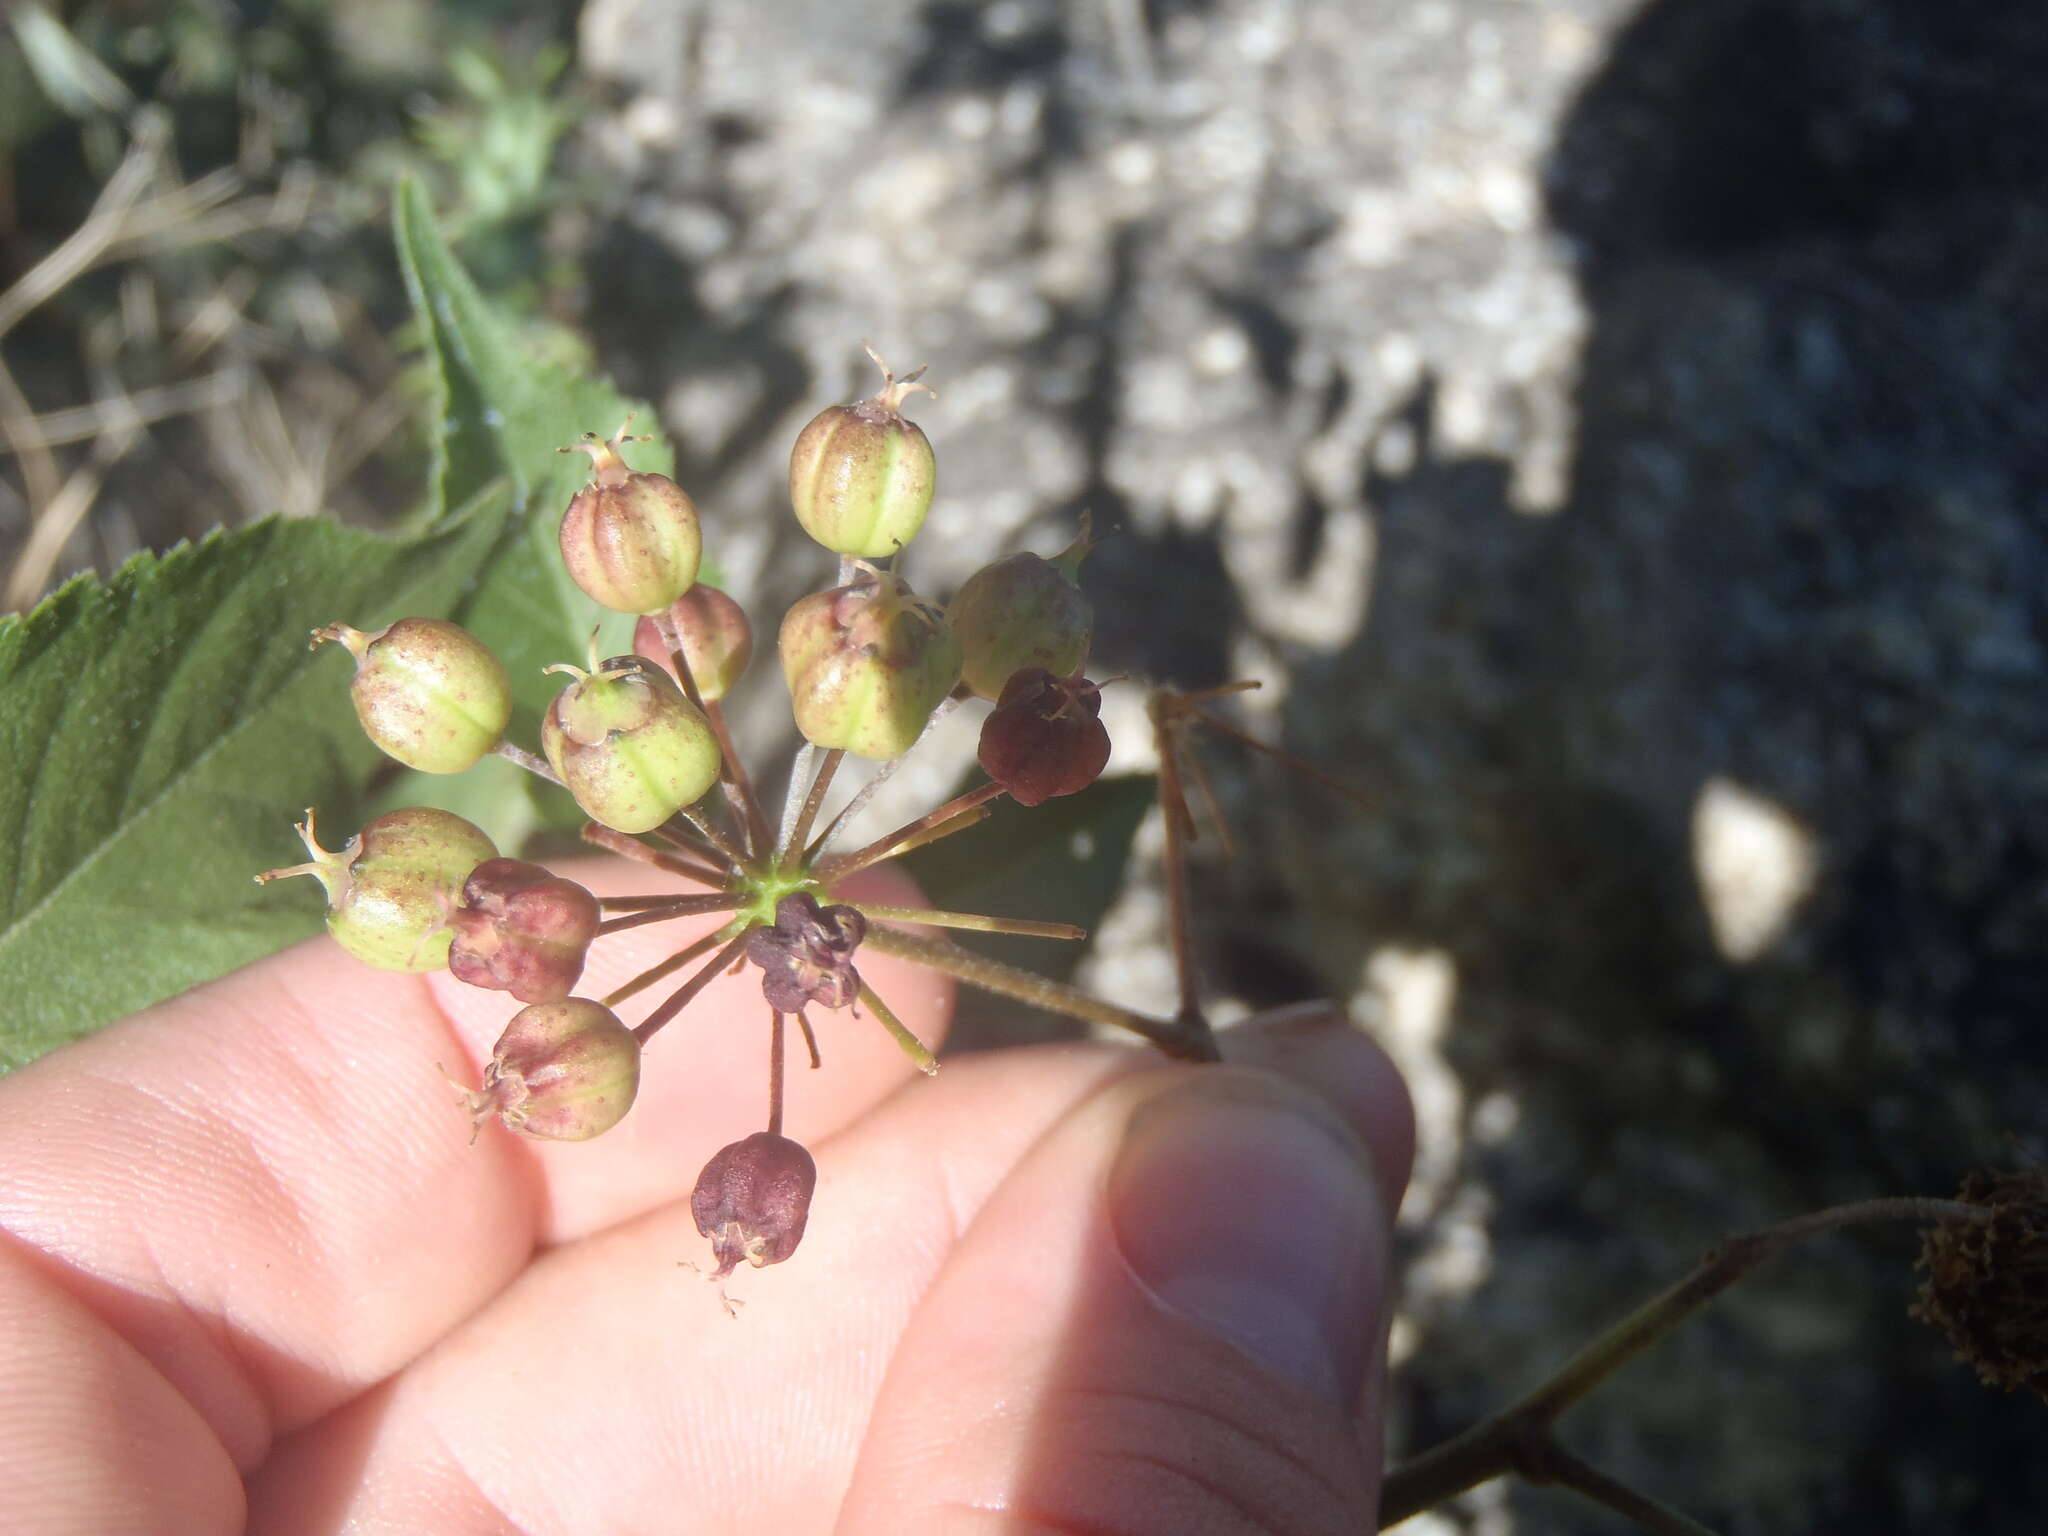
(732, 773)
(799, 829)
(703, 944)
(686, 906)
(913, 1047)
(1019, 927)
(1503, 1442)
(1171, 1036)
(684, 995)
(928, 828)
(629, 847)
(532, 762)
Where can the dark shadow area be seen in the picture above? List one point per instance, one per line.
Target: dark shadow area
(651, 330)
(1165, 607)
(1805, 553)
(968, 51)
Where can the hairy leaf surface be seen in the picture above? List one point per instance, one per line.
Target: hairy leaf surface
(161, 732)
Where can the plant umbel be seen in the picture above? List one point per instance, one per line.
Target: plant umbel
(640, 741)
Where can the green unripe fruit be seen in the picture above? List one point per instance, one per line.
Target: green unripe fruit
(392, 889)
(866, 665)
(718, 642)
(629, 746)
(562, 1071)
(1020, 612)
(428, 692)
(861, 476)
(631, 541)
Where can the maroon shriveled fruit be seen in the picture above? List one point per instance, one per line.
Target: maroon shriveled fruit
(522, 929)
(1043, 738)
(807, 957)
(752, 1200)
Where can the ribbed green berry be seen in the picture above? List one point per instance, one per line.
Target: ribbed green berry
(428, 692)
(631, 541)
(866, 664)
(861, 476)
(1022, 611)
(392, 889)
(629, 746)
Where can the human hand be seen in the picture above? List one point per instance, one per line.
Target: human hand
(258, 1278)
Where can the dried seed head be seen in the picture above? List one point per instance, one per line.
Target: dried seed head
(427, 692)
(522, 929)
(562, 1071)
(1043, 738)
(752, 1200)
(807, 957)
(1987, 1280)
(393, 887)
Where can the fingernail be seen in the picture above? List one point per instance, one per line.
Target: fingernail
(1241, 1205)
(1318, 1049)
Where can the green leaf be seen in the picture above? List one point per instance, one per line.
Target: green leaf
(504, 413)
(1062, 861)
(162, 730)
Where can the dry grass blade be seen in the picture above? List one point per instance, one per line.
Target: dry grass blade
(160, 402)
(126, 219)
(58, 519)
(87, 245)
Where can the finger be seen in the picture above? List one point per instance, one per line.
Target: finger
(1316, 1046)
(750, 1423)
(260, 1186)
(1168, 1319)
(96, 1440)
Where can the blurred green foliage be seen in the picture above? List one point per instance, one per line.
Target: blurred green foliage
(266, 312)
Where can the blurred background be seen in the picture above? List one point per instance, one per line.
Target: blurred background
(1617, 434)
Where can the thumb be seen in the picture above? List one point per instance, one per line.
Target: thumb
(1170, 1318)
